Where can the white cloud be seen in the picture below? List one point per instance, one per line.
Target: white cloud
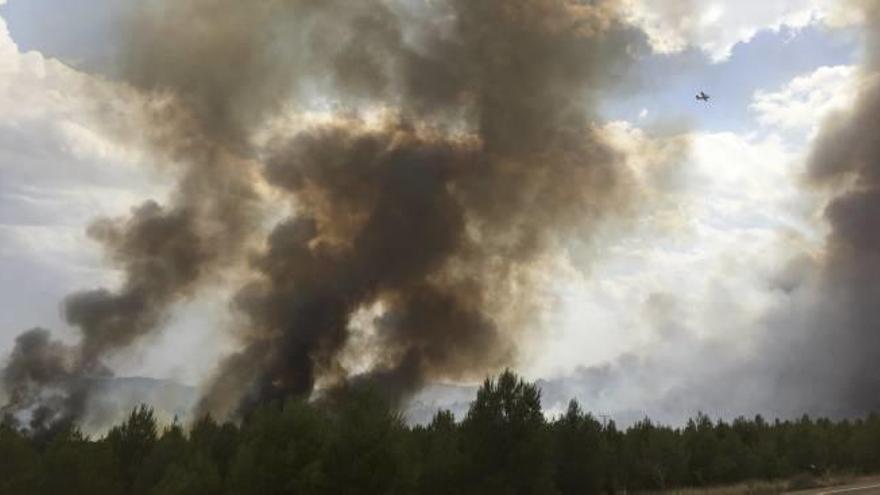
(716, 26)
(696, 271)
(673, 308)
(691, 302)
(805, 101)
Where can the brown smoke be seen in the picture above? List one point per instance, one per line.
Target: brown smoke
(429, 221)
(461, 142)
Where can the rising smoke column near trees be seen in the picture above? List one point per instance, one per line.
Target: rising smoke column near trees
(449, 144)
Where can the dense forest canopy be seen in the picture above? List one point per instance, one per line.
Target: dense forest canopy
(357, 443)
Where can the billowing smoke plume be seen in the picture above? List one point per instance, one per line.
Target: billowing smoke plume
(428, 152)
(430, 209)
(847, 155)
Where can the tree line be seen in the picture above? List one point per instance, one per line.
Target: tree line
(504, 445)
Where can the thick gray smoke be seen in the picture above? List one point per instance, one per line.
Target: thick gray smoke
(847, 154)
(485, 150)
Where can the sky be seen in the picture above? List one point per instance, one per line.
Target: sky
(686, 286)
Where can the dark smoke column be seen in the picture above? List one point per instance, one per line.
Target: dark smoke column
(457, 141)
(485, 151)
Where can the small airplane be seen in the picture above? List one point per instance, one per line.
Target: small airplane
(703, 96)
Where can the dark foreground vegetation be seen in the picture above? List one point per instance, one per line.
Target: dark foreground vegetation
(360, 445)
